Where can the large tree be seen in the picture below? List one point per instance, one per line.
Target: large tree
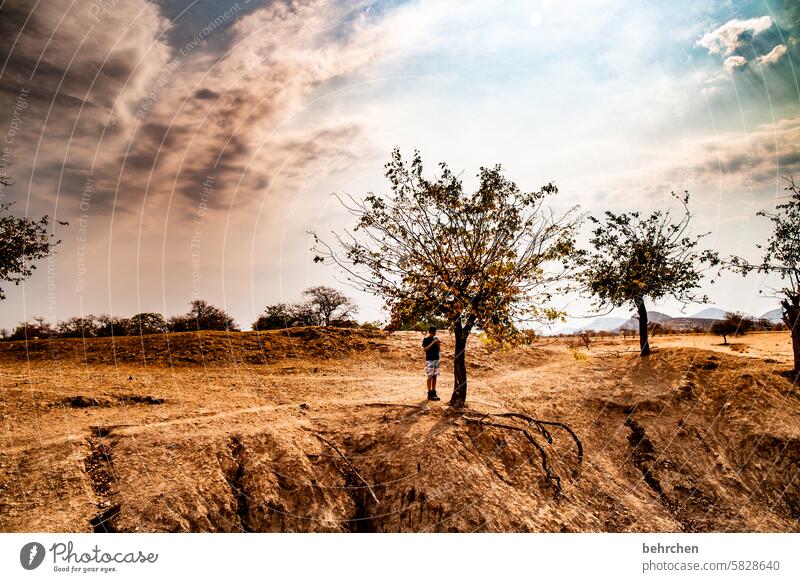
(23, 241)
(638, 258)
(484, 260)
(782, 258)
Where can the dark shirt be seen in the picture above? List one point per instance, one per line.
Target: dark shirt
(433, 352)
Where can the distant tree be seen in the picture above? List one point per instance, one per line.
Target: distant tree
(4, 333)
(330, 304)
(732, 324)
(38, 327)
(146, 324)
(484, 260)
(78, 326)
(23, 241)
(203, 316)
(782, 258)
(111, 325)
(278, 316)
(305, 314)
(637, 258)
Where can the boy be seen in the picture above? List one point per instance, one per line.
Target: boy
(430, 345)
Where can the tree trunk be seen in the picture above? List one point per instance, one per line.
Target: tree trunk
(791, 317)
(644, 344)
(459, 396)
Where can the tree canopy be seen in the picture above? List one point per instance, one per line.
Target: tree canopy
(637, 258)
(23, 241)
(781, 258)
(203, 316)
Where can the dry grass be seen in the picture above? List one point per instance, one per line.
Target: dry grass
(221, 432)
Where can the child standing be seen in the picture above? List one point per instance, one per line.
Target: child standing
(430, 345)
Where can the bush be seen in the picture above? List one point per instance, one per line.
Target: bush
(203, 316)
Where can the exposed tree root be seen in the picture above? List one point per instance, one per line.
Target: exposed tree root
(540, 425)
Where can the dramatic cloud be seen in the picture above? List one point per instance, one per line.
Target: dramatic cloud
(730, 36)
(773, 56)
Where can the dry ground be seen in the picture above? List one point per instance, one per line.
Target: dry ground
(283, 432)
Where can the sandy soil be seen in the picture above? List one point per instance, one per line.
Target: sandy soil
(328, 430)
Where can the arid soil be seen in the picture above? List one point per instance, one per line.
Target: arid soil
(328, 430)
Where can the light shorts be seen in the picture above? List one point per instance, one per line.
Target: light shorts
(431, 368)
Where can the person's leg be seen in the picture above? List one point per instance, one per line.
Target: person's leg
(433, 383)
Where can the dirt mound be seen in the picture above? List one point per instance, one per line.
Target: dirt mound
(686, 440)
(200, 348)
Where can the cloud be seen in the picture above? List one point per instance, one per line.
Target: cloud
(731, 35)
(734, 62)
(149, 121)
(773, 56)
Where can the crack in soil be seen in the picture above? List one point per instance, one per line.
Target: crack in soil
(643, 455)
(235, 483)
(100, 469)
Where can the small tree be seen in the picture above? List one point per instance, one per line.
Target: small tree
(329, 304)
(482, 260)
(23, 241)
(732, 324)
(782, 258)
(636, 259)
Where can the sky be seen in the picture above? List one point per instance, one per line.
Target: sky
(192, 145)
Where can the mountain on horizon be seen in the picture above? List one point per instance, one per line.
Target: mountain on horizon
(710, 313)
(775, 315)
(604, 324)
(652, 317)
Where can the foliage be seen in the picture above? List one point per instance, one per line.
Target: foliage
(782, 258)
(329, 304)
(732, 324)
(146, 323)
(430, 250)
(323, 306)
(23, 241)
(277, 316)
(484, 260)
(639, 257)
(38, 327)
(649, 257)
(203, 316)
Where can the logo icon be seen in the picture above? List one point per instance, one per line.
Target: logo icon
(31, 555)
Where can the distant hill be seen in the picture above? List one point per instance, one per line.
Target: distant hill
(605, 324)
(775, 316)
(710, 313)
(674, 323)
(652, 317)
(702, 320)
